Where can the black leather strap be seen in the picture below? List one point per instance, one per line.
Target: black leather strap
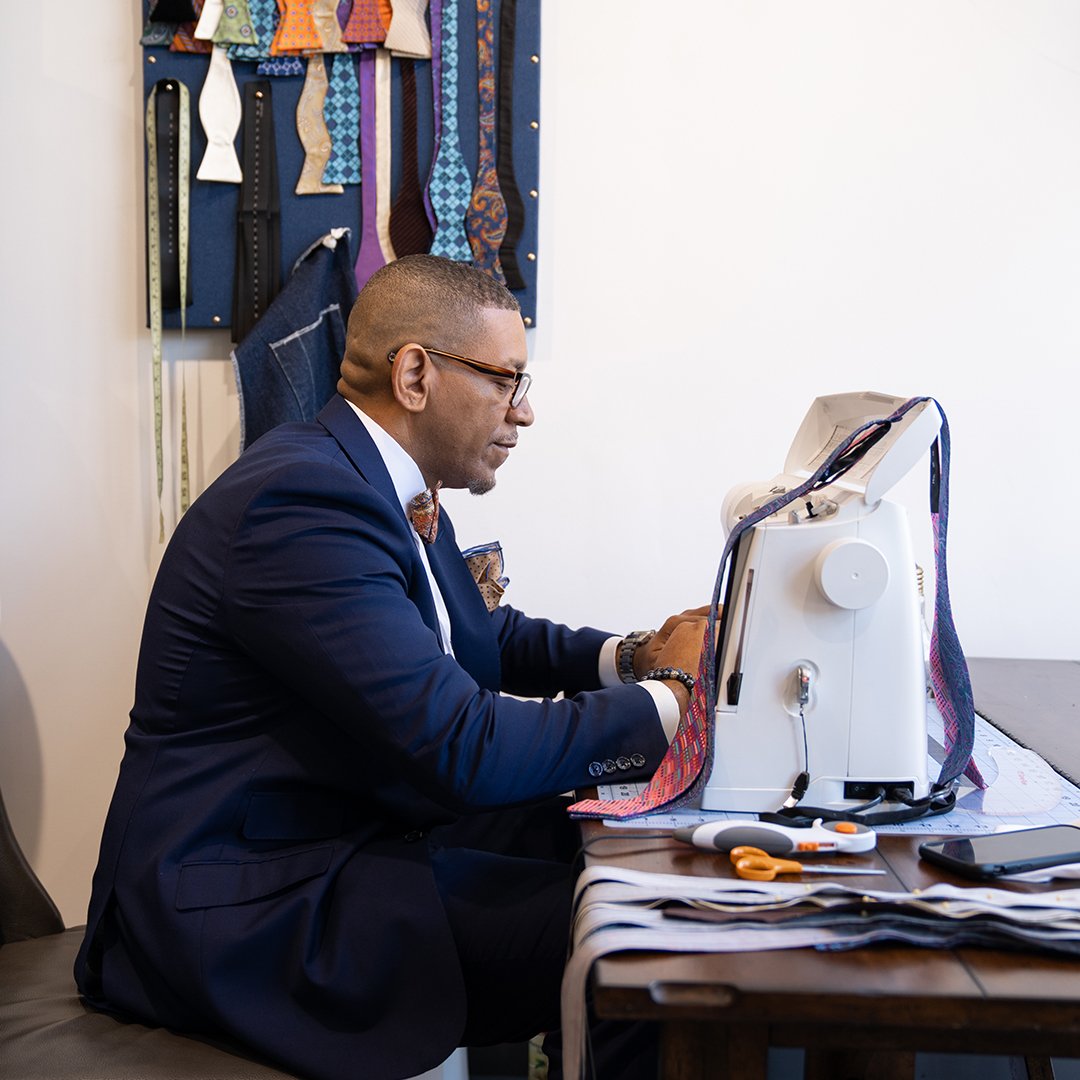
(167, 119)
(504, 152)
(257, 278)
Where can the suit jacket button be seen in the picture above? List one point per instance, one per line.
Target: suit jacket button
(609, 765)
(623, 762)
(595, 768)
(413, 836)
(637, 760)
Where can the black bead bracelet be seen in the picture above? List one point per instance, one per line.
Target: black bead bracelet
(671, 673)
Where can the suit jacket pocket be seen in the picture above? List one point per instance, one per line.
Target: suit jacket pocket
(221, 883)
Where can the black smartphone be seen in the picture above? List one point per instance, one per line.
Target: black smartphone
(1013, 852)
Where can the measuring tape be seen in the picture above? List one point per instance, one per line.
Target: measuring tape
(153, 234)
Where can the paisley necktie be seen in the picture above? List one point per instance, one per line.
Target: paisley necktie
(486, 220)
(311, 127)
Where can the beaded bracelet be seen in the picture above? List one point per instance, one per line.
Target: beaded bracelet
(671, 673)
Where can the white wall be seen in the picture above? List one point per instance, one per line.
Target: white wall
(742, 208)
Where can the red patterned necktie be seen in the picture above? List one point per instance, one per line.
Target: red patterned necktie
(685, 767)
(424, 514)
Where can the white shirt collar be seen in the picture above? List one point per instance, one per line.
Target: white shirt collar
(404, 473)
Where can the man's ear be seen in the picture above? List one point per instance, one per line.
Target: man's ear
(411, 377)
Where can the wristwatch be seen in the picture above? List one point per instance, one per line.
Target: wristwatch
(624, 661)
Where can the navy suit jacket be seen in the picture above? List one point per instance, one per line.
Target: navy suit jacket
(296, 730)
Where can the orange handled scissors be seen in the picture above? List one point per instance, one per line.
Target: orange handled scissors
(753, 864)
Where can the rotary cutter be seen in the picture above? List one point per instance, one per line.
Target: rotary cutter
(846, 837)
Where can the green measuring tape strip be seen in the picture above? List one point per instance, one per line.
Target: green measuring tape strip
(184, 180)
(153, 240)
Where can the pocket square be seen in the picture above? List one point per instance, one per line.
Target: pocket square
(485, 563)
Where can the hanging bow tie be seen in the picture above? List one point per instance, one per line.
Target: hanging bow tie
(424, 513)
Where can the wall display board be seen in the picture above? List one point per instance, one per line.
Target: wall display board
(271, 122)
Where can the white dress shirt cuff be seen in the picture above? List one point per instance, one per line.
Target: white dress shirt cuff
(667, 706)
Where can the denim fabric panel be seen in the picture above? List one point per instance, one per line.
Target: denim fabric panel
(309, 360)
(287, 367)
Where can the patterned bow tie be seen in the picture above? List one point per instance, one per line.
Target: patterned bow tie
(424, 513)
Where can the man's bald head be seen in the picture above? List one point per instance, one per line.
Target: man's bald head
(421, 298)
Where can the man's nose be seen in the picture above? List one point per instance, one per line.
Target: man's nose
(522, 414)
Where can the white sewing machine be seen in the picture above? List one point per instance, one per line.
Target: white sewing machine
(822, 663)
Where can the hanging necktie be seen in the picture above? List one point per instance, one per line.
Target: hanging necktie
(424, 514)
(408, 35)
(257, 278)
(263, 18)
(450, 186)
(365, 25)
(174, 11)
(157, 34)
(685, 767)
(436, 119)
(949, 675)
(515, 205)
(311, 127)
(296, 32)
(383, 153)
(341, 111)
(220, 111)
(370, 256)
(209, 18)
(168, 181)
(184, 39)
(410, 232)
(235, 25)
(486, 220)
(324, 15)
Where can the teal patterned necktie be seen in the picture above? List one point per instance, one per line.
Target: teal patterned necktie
(341, 111)
(450, 186)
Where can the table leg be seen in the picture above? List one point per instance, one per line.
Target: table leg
(699, 1050)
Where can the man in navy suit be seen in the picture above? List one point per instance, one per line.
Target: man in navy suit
(333, 838)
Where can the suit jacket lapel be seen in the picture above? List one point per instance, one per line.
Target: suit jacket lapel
(351, 435)
(475, 645)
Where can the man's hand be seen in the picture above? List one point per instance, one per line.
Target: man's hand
(653, 654)
(682, 650)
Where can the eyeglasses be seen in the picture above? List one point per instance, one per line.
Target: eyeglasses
(520, 380)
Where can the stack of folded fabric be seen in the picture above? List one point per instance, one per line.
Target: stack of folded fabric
(619, 909)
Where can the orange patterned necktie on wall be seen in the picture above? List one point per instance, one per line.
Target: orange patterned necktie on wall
(296, 33)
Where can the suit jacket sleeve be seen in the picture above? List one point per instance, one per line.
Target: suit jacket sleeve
(542, 658)
(324, 586)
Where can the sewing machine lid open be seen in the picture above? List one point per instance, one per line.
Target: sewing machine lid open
(832, 418)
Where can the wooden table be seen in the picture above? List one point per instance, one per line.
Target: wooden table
(862, 1013)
